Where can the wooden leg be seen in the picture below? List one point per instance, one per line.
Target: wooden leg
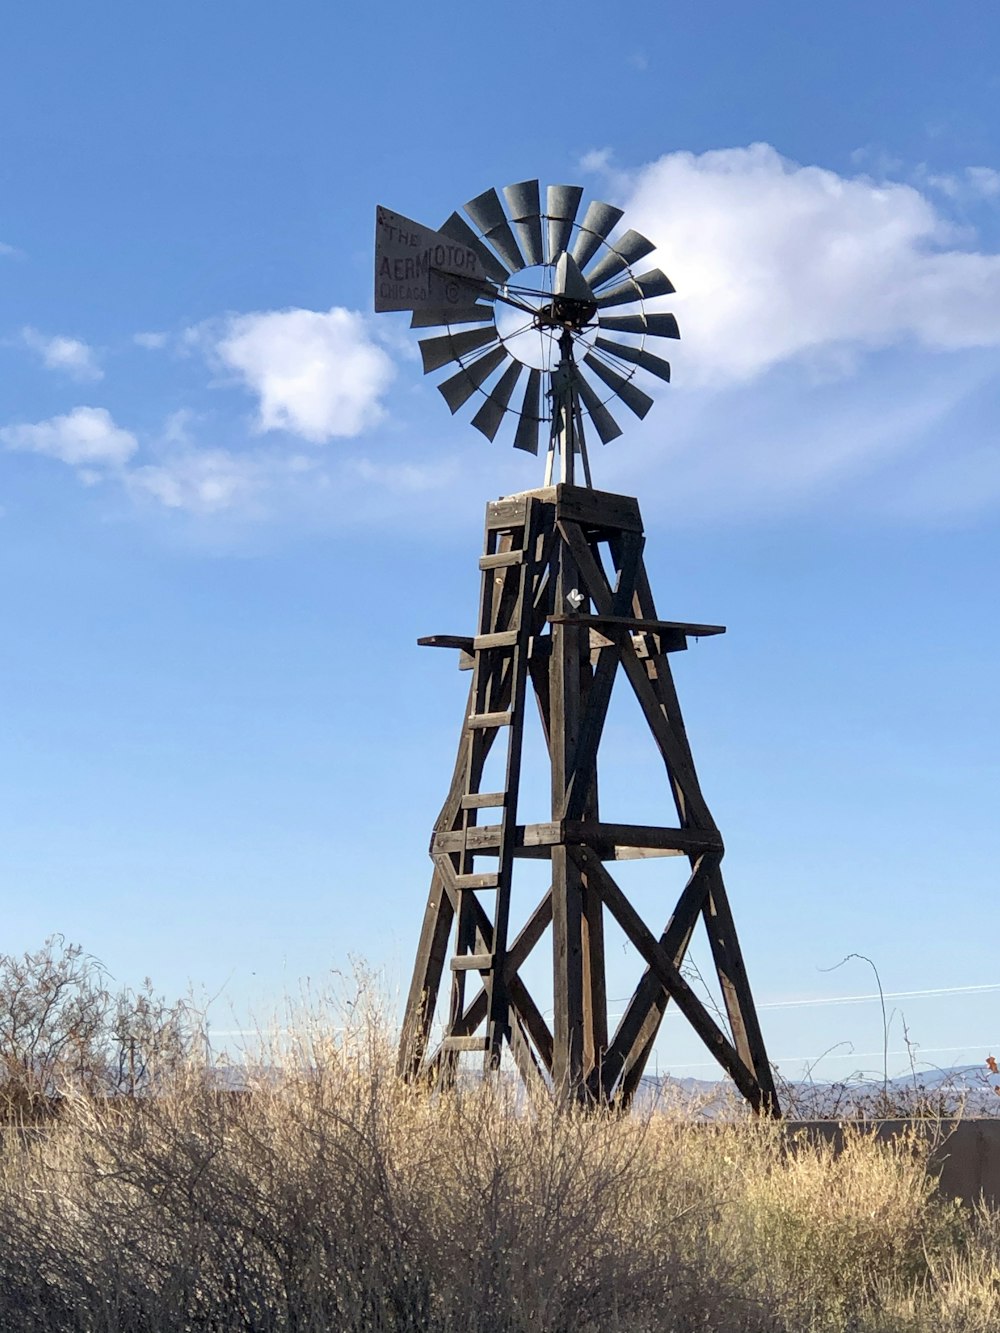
(431, 954)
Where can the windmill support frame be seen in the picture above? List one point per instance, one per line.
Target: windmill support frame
(565, 608)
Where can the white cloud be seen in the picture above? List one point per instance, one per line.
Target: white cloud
(10, 250)
(775, 261)
(152, 342)
(316, 375)
(58, 352)
(86, 438)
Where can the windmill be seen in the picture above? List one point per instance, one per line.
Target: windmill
(546, 324)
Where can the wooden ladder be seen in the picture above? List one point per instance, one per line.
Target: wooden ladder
(499, 654)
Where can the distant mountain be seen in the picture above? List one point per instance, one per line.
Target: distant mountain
(961, 1090)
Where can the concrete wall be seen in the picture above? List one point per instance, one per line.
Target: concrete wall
(965, 1153)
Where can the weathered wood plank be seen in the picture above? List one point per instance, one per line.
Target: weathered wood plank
(568, 647)
(461, 641)
(484, 800)
(519, 588)
(635, 624)
(736, 993)
(505, 513)
(594, 714)
(428, 967)
(597, 509)
(473, 962)
(501, 560)
(476, 881)
(465, 1044)
(489, 720)
(608, 840)
(504, 639)
(690, 802)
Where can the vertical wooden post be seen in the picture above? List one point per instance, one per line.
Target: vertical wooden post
(568, 999)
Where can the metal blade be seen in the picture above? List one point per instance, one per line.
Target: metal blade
(526, 208)
(637, 355)
(438, 352)
(646, 286)
(569, 281)
(460, 388)
(504, 242)
(526, 437)
(631, 396)
(628, 249)
(659, 326)
(561, 203)
(604, 423)
(487, 213)
(489, 416)
(430, 319)
(459, 230)
(595, 228)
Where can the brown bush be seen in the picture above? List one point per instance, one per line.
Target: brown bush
(328, 1196)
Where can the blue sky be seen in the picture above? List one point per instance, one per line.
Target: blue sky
(231, 502)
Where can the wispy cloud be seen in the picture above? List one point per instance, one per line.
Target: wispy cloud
(317, 375)
(151, 341)
(85, 438)
(72, 356)
(974, 183)
(202, 481)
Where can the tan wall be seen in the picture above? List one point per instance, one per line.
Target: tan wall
(966, 1152)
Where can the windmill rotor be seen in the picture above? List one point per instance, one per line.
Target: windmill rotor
(571, 289)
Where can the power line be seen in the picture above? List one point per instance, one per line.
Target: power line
(887, 995)
(927, 993)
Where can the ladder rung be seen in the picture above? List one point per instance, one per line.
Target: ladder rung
(479, 800)
(489, 719)
(505, 639)
(486, 881)
(465, 1044)
(472, 962)
(501, 560)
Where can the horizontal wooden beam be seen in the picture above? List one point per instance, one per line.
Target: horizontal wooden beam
(597, 509)
(635, 624)
(612, 842)
(460, 641)
(472, 962)
(502, 560)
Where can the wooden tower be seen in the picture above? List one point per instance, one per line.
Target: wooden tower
(564, 607)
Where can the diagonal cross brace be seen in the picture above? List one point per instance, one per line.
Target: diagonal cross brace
(669, 975)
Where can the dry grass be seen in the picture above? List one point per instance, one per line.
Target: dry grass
(331, 1198)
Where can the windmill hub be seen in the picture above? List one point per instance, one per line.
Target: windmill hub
(564, 312)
